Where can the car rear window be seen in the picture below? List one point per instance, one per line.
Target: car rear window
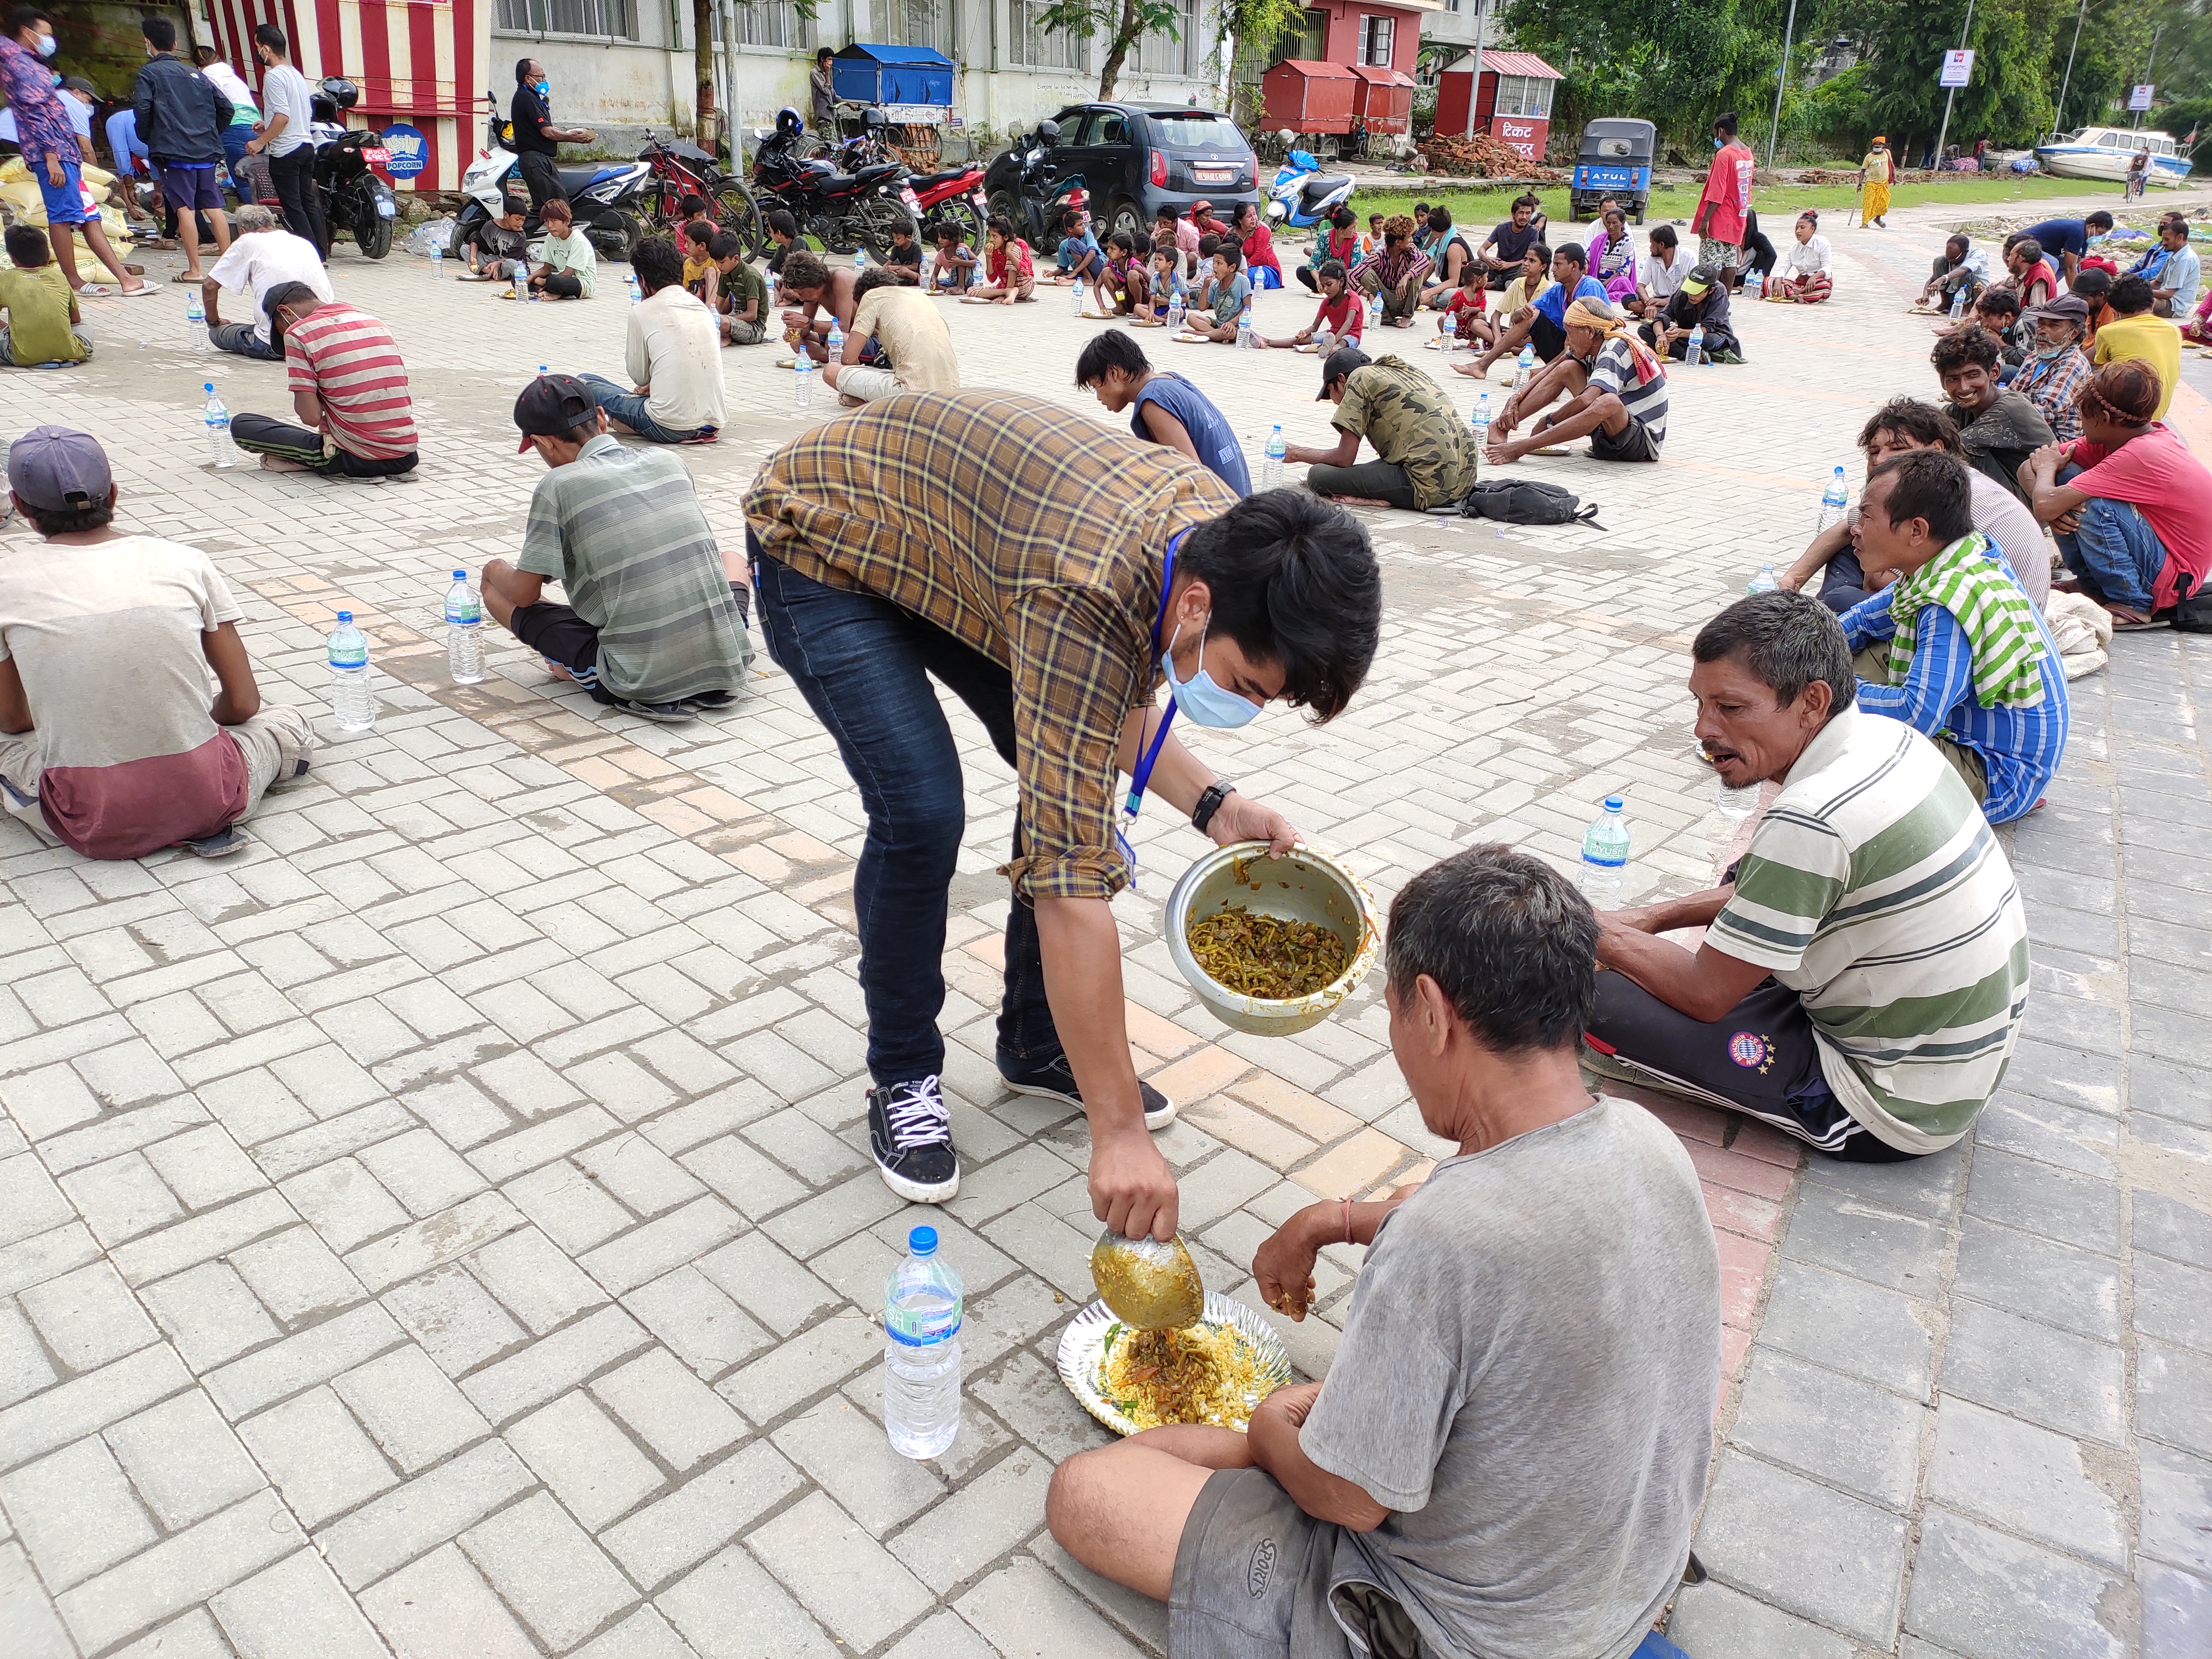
(1199, 132)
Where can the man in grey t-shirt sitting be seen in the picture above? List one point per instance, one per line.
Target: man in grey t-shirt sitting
(1511, 1444)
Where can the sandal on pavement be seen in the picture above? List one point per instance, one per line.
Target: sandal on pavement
(144, 291)
(183, 277)
(95, 291)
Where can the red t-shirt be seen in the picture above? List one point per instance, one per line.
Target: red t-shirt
(350, 361)
(1344, 317)
(2040, 274)
(2157, 474)
(1260, 249)
(1727, 187)
(1467, 301)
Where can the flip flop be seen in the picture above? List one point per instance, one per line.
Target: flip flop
(95, 291)
(182, 276)
(144, 291)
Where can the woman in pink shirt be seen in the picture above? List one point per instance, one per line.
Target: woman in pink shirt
(1260, 262)
(1612, 257)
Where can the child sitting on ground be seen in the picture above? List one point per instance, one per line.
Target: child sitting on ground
(1167, 284)
(904, 259)
(699, 272)
(1006, 263)
(1341, 312)
(741, 292)
(1469, 304)
(1125, 288)
(956, 262)
(567, 264)
(1226, 295)
(43, 324)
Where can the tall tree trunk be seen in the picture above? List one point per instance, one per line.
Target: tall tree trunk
(703, 38)
(1117, 53)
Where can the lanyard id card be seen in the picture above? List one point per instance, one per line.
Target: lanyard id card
(1143, 774)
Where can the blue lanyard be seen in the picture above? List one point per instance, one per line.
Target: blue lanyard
(1143, 774)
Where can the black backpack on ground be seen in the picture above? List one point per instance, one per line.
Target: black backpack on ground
(1526, 500)
(2193, 610)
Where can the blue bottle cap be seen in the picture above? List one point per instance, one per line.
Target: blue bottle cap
(345, 615)
(922, 1241)
(1613, 803)
(461, 576)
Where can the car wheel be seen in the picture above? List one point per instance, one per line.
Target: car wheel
(1125, 219)
(1003, 206)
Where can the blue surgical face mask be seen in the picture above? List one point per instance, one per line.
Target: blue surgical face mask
(544, 88)
(1199, 696)
(1717, 141)
(48, 46)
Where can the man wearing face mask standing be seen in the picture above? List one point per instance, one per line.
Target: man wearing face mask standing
(50, 149)
(287, 134)
(537, 141)
(975, 537)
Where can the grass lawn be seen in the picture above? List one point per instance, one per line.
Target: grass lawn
(1485, 206)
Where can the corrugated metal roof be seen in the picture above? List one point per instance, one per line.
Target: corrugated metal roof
(1509, 63)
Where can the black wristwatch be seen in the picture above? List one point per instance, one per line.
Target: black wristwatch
(1210, 803)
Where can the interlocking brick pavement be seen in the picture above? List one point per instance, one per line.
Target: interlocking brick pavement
(448, 1227)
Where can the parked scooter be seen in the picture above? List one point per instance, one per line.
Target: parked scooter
(1026, 187)
(1303, 195)
(354, 198)
(603, 195)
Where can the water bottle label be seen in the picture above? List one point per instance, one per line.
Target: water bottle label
(339, 660)
(466, 614)
(911, 1334)
(1605, 861)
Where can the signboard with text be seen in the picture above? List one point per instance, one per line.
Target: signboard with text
(1958, 68)
(411, 151)
(2139, 97)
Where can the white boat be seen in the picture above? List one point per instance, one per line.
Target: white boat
(2105, 153)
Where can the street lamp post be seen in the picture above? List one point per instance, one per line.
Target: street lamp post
(1944, 131)
(2058, 116)
(1782, 79)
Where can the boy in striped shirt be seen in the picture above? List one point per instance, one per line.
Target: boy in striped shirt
(1863, 974)
(348, 389)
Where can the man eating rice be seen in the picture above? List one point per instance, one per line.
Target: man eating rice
(1509, 1450)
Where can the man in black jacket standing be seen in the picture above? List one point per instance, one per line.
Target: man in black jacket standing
(537, 141)
(181, 115)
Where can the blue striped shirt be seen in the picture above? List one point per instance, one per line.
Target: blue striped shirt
(2018, 747)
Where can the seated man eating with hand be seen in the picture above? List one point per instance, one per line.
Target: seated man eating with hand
(1510, 1446)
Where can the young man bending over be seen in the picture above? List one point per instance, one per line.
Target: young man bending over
(1512, 1443)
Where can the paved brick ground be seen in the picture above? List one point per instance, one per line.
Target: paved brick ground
(448, 1229)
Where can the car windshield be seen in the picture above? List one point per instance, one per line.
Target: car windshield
(1199, 132)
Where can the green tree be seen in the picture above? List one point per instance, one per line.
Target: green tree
(1121, 23)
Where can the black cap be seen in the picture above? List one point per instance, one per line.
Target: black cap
(552, 406)
(1341, 362)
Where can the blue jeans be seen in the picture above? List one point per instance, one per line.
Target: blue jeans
(235, 138)
(864, 666)
(2116, 553)
(629, 408)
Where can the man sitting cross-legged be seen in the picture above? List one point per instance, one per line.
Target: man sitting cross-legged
(1955, 647)
(656, 619)
(112, 745)
(1862, 977)
(1512, 1443)
(1614, 387)
(349, 388)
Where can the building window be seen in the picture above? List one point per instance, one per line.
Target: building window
(1374, 34)
(921, 24)
(1523, 94)
(1162, 53)
(772, 23)
(1038, 47)
(604, 20)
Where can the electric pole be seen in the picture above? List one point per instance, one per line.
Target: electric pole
(2058, 116)
(1475, 86)
(2147, 67)
(1782, 79)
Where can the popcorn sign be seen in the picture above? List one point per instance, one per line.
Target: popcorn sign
(410, 150)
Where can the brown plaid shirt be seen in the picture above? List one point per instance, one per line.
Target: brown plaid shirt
(1028, 533)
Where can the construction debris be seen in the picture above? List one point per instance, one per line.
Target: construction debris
(1484, 157)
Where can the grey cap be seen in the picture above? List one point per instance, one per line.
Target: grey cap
(57, 470)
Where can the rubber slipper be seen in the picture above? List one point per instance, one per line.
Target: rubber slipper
(181, 277)
(144, 291)
(95, 291)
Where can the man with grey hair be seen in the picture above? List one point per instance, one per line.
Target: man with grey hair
(1512, 1443)
(263, 257)
(1863, 972)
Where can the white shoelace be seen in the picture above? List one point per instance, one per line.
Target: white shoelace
(917, 1115)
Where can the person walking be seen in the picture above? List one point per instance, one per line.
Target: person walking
(48, 142)
(537, 141)
(182, 116)
(1876, 174)
(286, 136)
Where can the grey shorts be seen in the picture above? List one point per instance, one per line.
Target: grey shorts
(1252, 1576)
(1637, 444)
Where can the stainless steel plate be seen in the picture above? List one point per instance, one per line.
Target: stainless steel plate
(1083, 1354)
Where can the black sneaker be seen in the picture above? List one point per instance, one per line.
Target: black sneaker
(668, 714)
(1054, 1079)
(220, 845)
(711, 702)
(910, 1132)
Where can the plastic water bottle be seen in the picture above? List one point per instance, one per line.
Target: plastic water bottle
(1694, 352)
(1075, 298)
(1959, 303)
(1175, 311)
(1447, 331)
(1763, 582)
(437, 262)
(514, 280)
(802, 392)
(1524, 365)
(463, 632)
(922, 1350)
(1605, 857)
(221, 450)
(196, 328)
(1835, 502)
(635, 293)
(1271, 471)
(1375, 312)
(836, 342)
(1481, 420)
(1246, 340)
(860, 259)
(350, 700)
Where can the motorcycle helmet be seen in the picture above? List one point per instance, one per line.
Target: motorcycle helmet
(1049, 131)
(787, 123)
(873, 118)
(340, 91)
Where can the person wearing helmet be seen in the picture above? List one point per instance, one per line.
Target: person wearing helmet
(537, 141)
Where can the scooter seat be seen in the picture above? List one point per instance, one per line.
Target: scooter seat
(575, 180)
(1318, 187)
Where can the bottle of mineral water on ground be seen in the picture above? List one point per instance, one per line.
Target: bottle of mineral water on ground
(1175, 311)
(1481, 420)
(1526, 363)
(221, 450)
(1447, 331)
(836, 343)
(437, 260)
(1075, 298)
(1959, 303)
(1694, 352)
(860, 259)
(349, 696)
(1763, 582)
(1835, 502)
(922, 1350)
(514, 279)
(1271, 471)
(463, 632)
(196, 328)
(635, 293)
(802, 391)
(1245, 339)
(1605, 856)
(1375, 312)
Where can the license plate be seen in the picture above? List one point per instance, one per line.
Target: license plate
(379, 156)
(911, 199)
(1214, 175)
(385, 210)
(982, 203)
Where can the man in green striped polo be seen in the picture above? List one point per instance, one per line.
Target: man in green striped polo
(1860, 981)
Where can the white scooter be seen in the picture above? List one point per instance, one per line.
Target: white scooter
(603, 195)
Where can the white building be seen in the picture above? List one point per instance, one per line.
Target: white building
(621, 66)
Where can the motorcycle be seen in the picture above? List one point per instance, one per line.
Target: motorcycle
(1026, 189)
(951, 197)
(842, 210)
(354, 198)
(604, 196)
(1303, 195)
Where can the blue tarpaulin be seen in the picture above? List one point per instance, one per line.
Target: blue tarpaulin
(893, 75)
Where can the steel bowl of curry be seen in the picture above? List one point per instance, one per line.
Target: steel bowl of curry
(1271, 944)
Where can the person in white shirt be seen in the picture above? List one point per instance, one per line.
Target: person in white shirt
(288, 115)
(674, 357)
(245, 116)
(1807, 277)
(263, 256)
(1659, 273)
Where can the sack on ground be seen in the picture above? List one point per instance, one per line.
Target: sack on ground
(1526, 501)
